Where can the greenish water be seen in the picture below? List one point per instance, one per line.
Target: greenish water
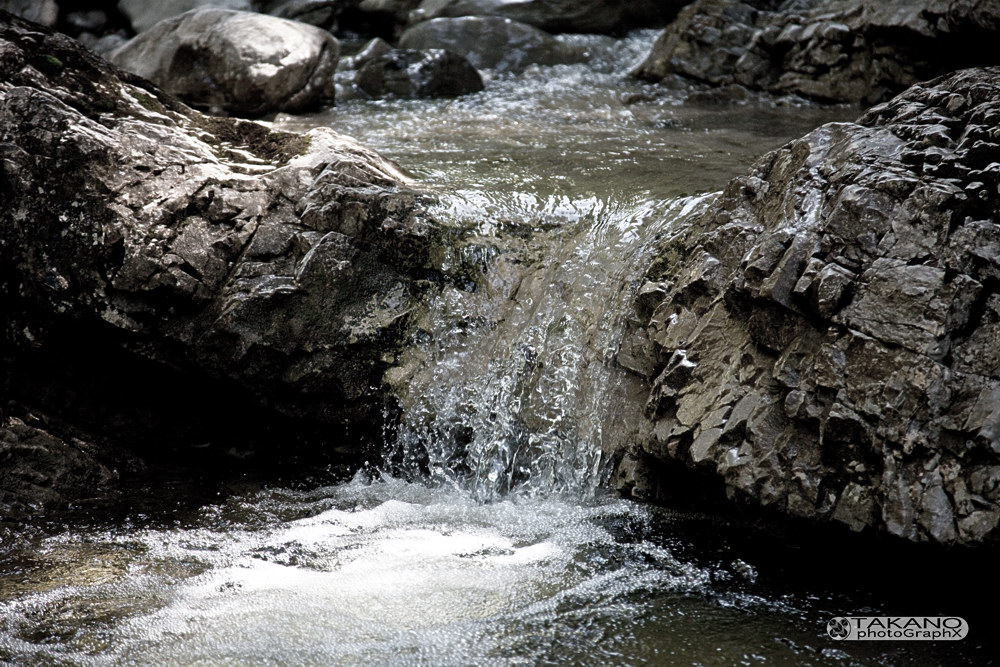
(506, 551)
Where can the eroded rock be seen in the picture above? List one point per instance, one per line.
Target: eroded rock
(843, 51)
(184, 252)
(824, 338)
(409, 73)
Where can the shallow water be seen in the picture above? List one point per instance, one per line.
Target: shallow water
(502, 548)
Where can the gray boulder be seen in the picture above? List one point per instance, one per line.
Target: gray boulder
(491, 42)
(824, 340)
(143, 14)
(407, 73)
(842, 51)
(237, 62)
(590, 16)
(144, 240)
(45, 12)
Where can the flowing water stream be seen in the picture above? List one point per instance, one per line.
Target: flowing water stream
(487, 539)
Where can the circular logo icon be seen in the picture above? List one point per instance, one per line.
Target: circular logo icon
(838, 628)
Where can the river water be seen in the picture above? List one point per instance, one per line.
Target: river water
(485, 536)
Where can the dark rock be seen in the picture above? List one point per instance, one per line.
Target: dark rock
(40, 472)
(91, 20)
(237, 62)
(195, 261)
(320, 13)
(600, 16)
(825, 339)
(843, 51)
(491, 42)
(406, 73)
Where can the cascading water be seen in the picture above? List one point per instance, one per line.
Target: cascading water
(527, 397)
(512, 396)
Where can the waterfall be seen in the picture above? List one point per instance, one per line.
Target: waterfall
(518, 390)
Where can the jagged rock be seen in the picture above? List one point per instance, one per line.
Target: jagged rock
(45, 12)
(842, 51)
(490, 42)
(143, 240)
(143, 14)
(824, 338)
(406, 73)
(40, 472)
(601, 16)
(237, 62)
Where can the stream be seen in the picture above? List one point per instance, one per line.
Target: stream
(486, 535)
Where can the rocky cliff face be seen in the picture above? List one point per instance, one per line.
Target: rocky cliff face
(161, 259)
(825, 340)
(842, 51)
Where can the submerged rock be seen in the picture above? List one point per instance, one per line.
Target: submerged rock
(843, 51)
(196, 274)
(491, 42)
(601, 16)
(825, 339)
(237, 62)
(409, 73)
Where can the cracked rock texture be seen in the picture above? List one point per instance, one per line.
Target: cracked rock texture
(277, 271)
(840, 51)
(826, 338)
(236, 62)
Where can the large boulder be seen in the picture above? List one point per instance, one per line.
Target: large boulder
(143, 14)
(842, 51)
(170, 278)
(236, 62)
(600, 16)
(491, 42)
(826, 338)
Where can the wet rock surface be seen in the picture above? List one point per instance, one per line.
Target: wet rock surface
(844, 51)
(410, 73)
(236, 62)
(491, 42)
(601, 16)
(165, 260)
(143, 15)
(825, 338)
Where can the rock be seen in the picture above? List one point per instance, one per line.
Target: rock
(407, 73)
(45, 12)
(827, 341)
(191, 273)
(590, 16)
(320, 13)
(91, 20)
(143, 14)
(490, 42)
(843, 51)
(40, 472)
(237, 62)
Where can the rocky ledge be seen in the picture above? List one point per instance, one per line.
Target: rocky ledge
(169, 276)
(841, 51)
(826, 338)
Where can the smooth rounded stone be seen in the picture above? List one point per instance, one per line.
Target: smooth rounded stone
(851, 51)
(409, 73)
(587, 16)
(491, 42)
(237, 62)
(825, 338)
(143, 14)
(91, 20)
(44, 12)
